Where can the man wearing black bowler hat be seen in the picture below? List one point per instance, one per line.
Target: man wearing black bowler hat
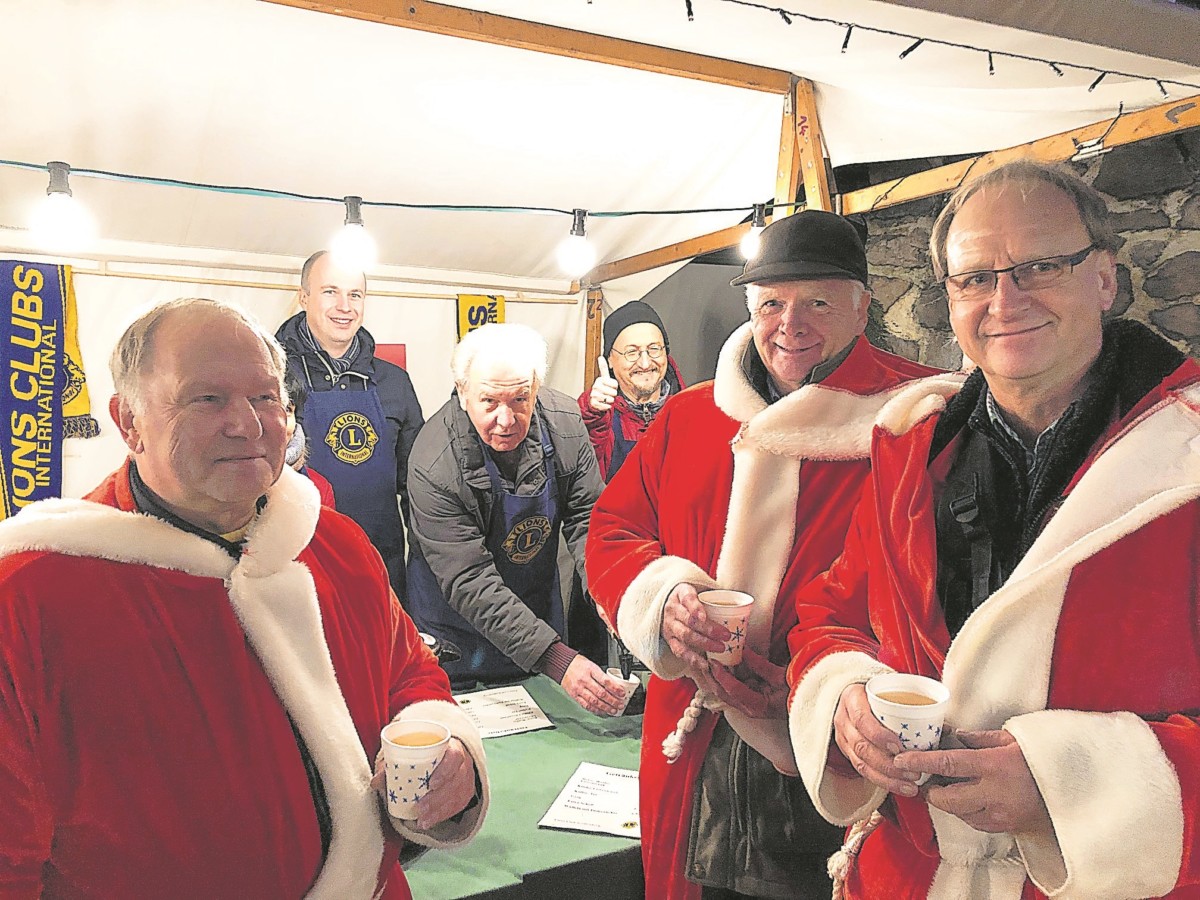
(745, 483)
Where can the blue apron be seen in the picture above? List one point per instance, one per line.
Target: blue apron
(621, 447)
(522, 537)
(360, 462)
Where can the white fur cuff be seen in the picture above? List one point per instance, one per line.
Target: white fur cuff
(449, 833)
(639, 618)
(841, 800)
(1115, 802)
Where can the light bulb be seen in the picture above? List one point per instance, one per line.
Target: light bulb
(576, 256)
(59, 221)
(751, 241)
(353, 248)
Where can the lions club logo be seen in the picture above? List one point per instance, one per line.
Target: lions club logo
(526, 539)
(352, 438)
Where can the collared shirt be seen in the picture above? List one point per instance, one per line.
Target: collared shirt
(1041, 446)
(151, 504)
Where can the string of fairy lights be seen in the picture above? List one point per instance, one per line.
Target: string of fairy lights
(62, 224)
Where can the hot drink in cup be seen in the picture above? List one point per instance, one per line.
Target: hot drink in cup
(629, 685)
(912, 706)
(731, 609)
(412, 750)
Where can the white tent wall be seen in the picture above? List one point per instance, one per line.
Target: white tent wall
(427, 327)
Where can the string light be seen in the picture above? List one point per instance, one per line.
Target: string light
(991, 65)
(752, 239)
(1096, 83)
(353, 247)
(59, 222)
(788, 15)
(575, 255)
(1162, 89)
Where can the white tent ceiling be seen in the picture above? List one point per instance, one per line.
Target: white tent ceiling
(249, 93)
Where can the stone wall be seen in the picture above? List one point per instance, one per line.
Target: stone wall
(1153, 190)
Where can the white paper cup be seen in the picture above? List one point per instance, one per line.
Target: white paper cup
(630, 685)
(409, 766)
(731, 609)
(917, 725)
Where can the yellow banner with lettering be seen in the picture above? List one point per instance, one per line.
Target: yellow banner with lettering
(475, 310)
(43, 392)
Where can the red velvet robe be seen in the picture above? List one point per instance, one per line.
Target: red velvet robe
(1089, 656)
(687, 507)
(146, 680)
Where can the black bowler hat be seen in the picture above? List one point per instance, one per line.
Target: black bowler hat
(809, 245)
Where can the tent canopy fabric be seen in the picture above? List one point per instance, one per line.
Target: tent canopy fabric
(256, 94)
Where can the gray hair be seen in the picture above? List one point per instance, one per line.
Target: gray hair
(1027, 173)
(754, 288)
(519, 346)
(136, 346)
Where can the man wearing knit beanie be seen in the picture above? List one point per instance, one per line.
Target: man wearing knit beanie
(637, 374)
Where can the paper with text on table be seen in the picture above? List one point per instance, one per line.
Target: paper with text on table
(597, 798)
(503, 710)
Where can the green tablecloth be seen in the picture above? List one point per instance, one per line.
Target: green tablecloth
(527, 772)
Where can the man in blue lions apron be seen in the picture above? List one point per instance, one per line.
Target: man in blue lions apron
(362, 414)
(495, 476)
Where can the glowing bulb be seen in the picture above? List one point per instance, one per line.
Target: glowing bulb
(576, 256)
(60, 222)
(353, 247)
(752, 239)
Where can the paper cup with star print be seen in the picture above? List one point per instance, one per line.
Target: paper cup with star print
(731, 609)
(412, 749)
(912, 706)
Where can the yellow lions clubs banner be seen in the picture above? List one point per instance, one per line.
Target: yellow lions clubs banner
(43, 393)
(475, 310)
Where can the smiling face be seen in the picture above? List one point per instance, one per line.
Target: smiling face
(1041, 341)
(209, 437)
(333, 302)
(499, 401)
(638, 380)
(799, 324)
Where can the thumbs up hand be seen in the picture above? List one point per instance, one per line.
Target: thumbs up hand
(604, 389)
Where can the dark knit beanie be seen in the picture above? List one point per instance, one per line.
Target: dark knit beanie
(631, 314)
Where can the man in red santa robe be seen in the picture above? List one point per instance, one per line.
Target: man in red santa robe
(196, 661)
(1029, 537)
(746, 482)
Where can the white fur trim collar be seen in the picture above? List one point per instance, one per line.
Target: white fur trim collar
(275, 599)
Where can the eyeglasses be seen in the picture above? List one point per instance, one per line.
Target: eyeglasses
(633, 354)
(1029, 276)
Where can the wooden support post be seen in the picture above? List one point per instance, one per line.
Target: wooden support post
(811, 149)
(593, 339)
(787, 174)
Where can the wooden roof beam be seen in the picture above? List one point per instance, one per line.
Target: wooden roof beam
(1166, 118)
(454, 21)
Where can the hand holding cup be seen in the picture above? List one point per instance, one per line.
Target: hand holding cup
(913, 707)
